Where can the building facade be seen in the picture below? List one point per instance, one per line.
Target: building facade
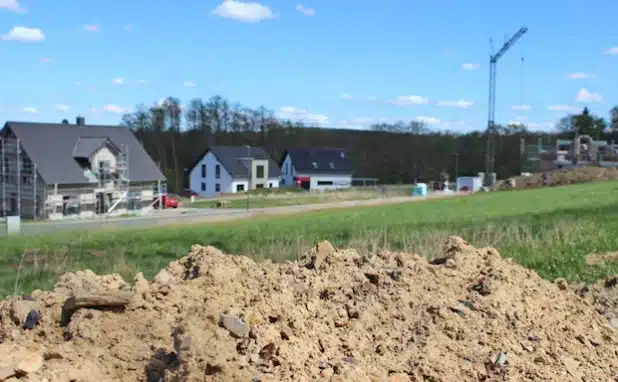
(316, 169)
(230, 169)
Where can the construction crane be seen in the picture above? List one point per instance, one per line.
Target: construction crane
(491, 128)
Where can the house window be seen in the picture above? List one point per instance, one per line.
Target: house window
(203, 186)
(261, 185)
(270, 185)
(203, 171)
(240, 187)
(325, 183)
(259, 172)
(218, 171)
(217, 187)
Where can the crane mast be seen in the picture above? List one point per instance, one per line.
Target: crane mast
(491, 128)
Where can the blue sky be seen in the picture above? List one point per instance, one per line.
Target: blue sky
(341, 63)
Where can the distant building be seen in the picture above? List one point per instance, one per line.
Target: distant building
(230, 169)
(317, 168)
(62, 170)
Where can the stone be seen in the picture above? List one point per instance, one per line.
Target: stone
(235, 325)
(320, 252)
(614, 323)
(29, 364)
(163, 277)
(6, 372)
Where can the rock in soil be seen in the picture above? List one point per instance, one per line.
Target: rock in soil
(336, 316)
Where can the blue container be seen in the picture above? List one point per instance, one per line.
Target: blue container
(420, 189)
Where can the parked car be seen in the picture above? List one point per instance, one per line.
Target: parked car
(169, 201)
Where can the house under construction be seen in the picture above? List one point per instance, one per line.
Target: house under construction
(63, 170)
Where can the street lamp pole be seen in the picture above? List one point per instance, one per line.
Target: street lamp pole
(248, 174)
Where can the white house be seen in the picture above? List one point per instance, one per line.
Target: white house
(226, 169)
(316, 168)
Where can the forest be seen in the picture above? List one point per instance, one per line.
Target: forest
(402, 152)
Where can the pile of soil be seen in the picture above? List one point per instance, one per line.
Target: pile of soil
(336, 316)
(562, 177)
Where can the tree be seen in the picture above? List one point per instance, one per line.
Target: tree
(613, 118)
(583, 123)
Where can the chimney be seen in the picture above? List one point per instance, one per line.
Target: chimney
(80, 121)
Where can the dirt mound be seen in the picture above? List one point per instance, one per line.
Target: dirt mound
(337, 316)
(563, 177)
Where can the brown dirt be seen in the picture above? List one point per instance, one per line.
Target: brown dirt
(337, 316)
(563, 177)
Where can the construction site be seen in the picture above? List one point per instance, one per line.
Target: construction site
(107, 190)
(580, 151)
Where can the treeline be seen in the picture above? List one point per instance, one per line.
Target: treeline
(401, 152)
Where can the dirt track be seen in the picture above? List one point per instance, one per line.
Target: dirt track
(335, 316)
(201, 215)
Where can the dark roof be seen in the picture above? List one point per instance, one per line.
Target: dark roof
(231, 158)
(85, 147)
(51, 148)
(320, 160)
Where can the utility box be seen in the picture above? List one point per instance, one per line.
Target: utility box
(13, 225)
(469, 183)
(420, 189)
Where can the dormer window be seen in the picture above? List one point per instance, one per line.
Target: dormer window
(331, 165)
(315, 164)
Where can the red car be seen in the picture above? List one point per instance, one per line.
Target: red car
(169, 201)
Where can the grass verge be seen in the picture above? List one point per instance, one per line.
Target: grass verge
(549, 230)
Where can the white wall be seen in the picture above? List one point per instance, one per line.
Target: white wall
(337, 182)
(196, 180)
(104, 154)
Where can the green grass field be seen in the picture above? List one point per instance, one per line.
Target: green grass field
(549, 230)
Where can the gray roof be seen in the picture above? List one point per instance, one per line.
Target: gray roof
(231, 157)
(51, 148)
(85, 147)
(320, 160)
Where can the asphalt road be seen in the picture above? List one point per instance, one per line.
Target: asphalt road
(197, 215)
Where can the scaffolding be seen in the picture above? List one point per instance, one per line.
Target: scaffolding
(22, 191)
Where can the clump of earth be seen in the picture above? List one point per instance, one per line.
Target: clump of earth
(470, 315)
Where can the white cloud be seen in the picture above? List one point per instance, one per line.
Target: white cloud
(581, 76)
(428, 120)
(409, 100)
(612, 51)
(349, 96)
(91, 27)
(12, 5)
(24, 34)
(303, 115)
(305, 11)
(141, 82)
(115, 109)
(560, 108)
(470, 66)
(521, 118)
(30, 110)
(46, 59)
(62, 107)
(118, 81)
(189, 84)
(521, 107)
(583, 95)
(460, 103)
(128, 28)
(248, 12)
